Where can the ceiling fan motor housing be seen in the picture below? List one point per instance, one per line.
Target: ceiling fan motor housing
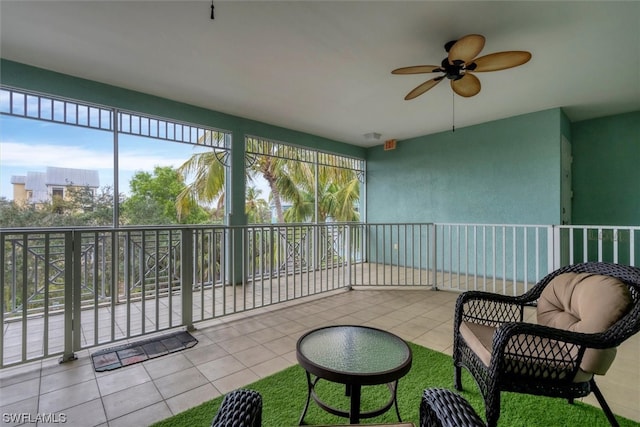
(453, 71)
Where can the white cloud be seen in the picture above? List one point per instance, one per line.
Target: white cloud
(42, 155)
(38, 156)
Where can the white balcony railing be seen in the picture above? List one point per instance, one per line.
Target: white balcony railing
(64, 290)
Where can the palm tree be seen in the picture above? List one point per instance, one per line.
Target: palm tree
(209, 173)
(207, 185)
(256, 208)
(288, 179)
(271, 169)
(338, 191)
(340, 194)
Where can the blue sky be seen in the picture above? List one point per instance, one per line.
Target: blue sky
(31, 145)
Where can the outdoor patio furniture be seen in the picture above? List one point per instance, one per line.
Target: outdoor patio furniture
(355, 356)
(444, 408)
(584, 311)
(239, 408)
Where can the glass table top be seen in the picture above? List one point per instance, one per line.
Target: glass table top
(354, 349)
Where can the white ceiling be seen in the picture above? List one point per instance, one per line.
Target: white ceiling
(324, 67)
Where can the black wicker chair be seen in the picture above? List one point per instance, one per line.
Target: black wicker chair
(443, 408)
(239, 408)
(504, 353)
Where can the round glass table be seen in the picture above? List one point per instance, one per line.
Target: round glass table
(355, 356)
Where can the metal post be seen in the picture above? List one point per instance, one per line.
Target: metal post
(434, 256)
(553, 248)
(4, 262)
(186, 273)
(71, 270)
(116, 169)
(348, 255)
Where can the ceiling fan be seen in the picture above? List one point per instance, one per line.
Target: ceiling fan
(460, 62)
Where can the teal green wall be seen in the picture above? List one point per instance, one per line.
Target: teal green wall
(505, 171)
(606, 170)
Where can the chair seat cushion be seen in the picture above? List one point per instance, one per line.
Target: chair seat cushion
(529, 362)
(479, 338)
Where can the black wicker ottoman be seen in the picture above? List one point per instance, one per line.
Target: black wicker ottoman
(239, 408)
(444, 408)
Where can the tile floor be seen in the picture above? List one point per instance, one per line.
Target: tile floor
(240, 349)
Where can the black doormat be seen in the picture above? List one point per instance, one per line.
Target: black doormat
(128, 354)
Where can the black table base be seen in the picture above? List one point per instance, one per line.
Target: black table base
(353, 391)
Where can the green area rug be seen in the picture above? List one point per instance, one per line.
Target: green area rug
(284, 395)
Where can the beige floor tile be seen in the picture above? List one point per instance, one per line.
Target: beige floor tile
(404, 315)
(14, 410)
(86, 414)
(364, 315)
(312, 322)
(121, 379)
(291, 356)
(237, 344)
(291, 327)
(386, 322)
(131, 400)
(435, 339)
(272, 320)
(19, 391)
(248, 326)
(166, 365)
(219, 368)
(235, 380)
(180, 382)
(254, 355)
(206, 353)
(201, 337)
(265, 335)
(282, 345)
(271, 366)
(411, 329)
(143, 417)
(77, 374)
(221, 333)
(68, 397)
(19, 374)
(191, 398)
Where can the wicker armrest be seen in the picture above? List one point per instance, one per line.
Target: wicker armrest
(444, 408)
(488, 308)
(507, 334)
(239, 408)
(540, 352)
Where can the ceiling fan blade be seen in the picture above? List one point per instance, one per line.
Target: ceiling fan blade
(423, 88)
(465, 49)
(501, 60)
(468, 85)
(417, 69)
